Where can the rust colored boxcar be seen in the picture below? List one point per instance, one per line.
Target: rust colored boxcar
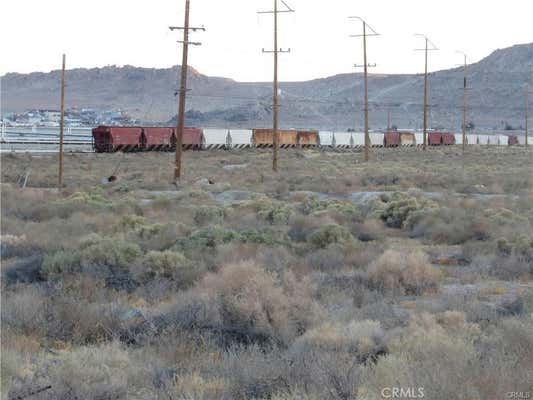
(192, 138)
(265, 138)
(434, 138)
(308, 138)
(448, 139)
(512, 140)
(392, 139)
(407, 139)
(157, 139)
(111, 139)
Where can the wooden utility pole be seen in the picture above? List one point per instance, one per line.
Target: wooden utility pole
(527, 114)
(425, 122)
(62, 125)
(388, 121)
(275, 107)
(367, 138)
(275, 99)
(180, 126)
(426, 49)
(465, 89)
(365, 69)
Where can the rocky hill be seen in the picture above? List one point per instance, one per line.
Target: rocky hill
(496, 97)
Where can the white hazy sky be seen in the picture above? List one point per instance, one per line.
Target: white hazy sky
(34, 34)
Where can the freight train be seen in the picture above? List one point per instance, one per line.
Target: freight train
(108, 139)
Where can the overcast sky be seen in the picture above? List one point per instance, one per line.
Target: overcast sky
(96, 33)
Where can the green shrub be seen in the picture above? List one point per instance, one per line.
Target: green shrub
(210, 236)
(330, 234)
(209, 215)
(112, 252)
(399, 208)
(60, 263)
(269, 210)
(132, 222)
(168, 265)
(311, 205)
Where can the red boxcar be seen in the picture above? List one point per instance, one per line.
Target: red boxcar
(192, 138)
(110, 139)
(434, 138)
(512, 140)
(157, 139)
(392, 139)
(448, 139)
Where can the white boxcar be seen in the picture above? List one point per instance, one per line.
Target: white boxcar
(358, 139)
(483, 139)
(419, 137)
(503, 140)
(326, 139)
(239, 138)
(522, 140)
(458, 138)
(471, 139)
(343, 139)
(376, 139)
(215, 139)
(493, 140)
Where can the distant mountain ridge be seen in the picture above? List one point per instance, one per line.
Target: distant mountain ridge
(495, 100)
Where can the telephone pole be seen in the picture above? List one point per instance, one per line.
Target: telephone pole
(62, 125)
(180, 127)
(527, 114)
(465, 89)
(275, 102)
(365, 68)
(426, 49)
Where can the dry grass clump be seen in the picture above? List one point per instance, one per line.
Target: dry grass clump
(409, 273)
(252, 301)
(364, 339)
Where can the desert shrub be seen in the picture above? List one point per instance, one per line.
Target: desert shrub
(60, 263)
(168, 265)
(213, 236)
(504, 216)
(447, 225)
(395, 209)
(312, 205)
(107, 371)
(272, 211)
(253, 373)
(23, 311)
(132, 222)
(209, 215)
(330, 234)
(108, 251)
(363, 339)
(520, 246)
(267, 237)
(254, 302)
(411, 273)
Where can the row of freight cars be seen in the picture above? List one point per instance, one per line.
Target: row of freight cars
(111, 139)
